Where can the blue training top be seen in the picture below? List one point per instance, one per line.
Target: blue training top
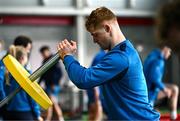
(91, 92)
(153, 71)
(96, 60)
(21, 101)
(121, 75)
(52, 78)
(2, 74)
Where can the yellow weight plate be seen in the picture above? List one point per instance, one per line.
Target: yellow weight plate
(21, 76)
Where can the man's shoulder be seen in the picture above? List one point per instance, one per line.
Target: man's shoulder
(116, 57)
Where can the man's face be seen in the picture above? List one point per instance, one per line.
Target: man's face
(45, 54)
(102, 38)
(167, 52)
(28, 48)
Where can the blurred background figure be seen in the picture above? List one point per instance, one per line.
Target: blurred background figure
(26, 42)
(2, 72)
(95, 110)
(154, 67)
(21, 106)
(168, 32)
(52, 82)
(2, 51)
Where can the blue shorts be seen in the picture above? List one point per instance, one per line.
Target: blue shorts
(55, 90)
(153, 96)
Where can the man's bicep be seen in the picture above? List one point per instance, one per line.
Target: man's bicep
(157, 77)
(107, 69)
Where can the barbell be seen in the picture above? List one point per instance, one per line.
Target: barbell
(27, 81)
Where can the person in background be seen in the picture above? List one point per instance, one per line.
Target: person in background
(94, 95)
(124, 86)
(154, 67)
(2, 51)
(52, 79)
(2, 72)
(21, 106)
(26, 42)
(168, 26)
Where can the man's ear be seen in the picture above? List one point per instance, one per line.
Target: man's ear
(107, 28)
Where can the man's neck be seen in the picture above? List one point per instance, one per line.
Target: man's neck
(117, 38)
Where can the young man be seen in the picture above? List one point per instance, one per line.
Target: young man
(2, 71)
(154, 67)
(120, 72)
(52, 78)
(168, 26)
(26, 42)
(95, 97)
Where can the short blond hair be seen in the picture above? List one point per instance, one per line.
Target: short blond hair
(17, 51)
(97, 16)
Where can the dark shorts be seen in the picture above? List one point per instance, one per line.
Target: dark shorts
(19, 115)
(53, 91)
(2, 111)
(152, 95)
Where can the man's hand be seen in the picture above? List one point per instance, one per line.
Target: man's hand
(167, 92)
(66, 48)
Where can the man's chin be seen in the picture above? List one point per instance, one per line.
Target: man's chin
(101, 46)
(104, 48)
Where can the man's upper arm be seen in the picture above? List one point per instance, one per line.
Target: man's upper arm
(157, 74)
(111, 65)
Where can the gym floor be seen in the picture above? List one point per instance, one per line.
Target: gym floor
(84, 116)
